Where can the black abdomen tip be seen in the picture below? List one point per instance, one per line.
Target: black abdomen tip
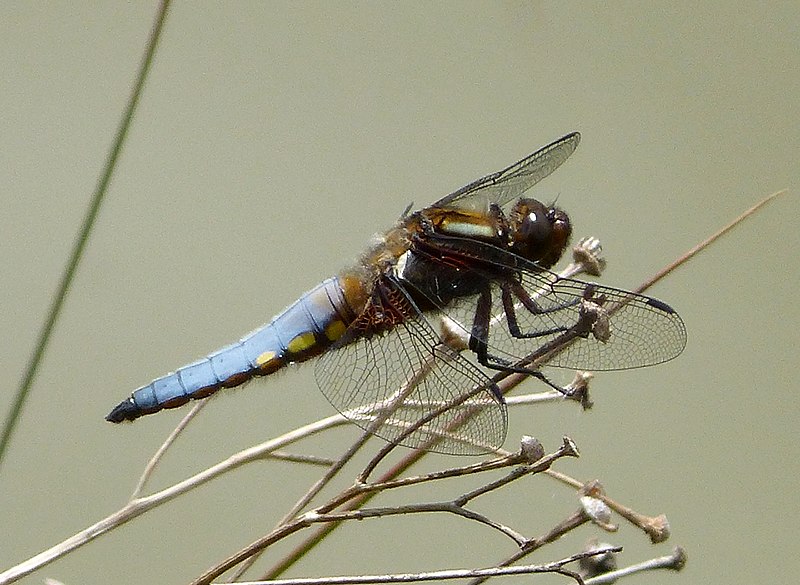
(125, 410)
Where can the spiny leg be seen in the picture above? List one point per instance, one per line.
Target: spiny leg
(478, 342)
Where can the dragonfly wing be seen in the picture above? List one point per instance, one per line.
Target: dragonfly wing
(406, 367)
(630, 331)
(510, 183)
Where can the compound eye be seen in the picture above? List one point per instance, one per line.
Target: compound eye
(531, 229)
(536, 226)
(538, 233)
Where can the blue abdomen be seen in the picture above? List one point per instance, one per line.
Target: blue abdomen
(302, 331)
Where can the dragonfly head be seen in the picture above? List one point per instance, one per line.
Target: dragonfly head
(537, 232)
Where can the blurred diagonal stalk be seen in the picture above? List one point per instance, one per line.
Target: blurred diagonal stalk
(83, 235)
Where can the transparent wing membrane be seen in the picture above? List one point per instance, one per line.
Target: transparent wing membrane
(532, 308)
(407, 372)
(510, 183)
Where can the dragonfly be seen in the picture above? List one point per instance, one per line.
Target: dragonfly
(405, 340)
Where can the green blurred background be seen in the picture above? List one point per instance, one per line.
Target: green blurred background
(273, 139)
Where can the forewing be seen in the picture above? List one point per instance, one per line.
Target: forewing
(510, 183)
(406, 366)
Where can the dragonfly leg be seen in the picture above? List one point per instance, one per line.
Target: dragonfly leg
(478, 342)
(511, 290)
(480, 334)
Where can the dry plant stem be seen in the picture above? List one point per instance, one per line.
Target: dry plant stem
(381, 417)
(151, 465)
(324, 480)
(308, 496)
(708, 241)
(301, 458)
(578, 518)
(567, 449)
(554, 567)
(656, 527)
(675, 561)
(323, 531)
(144, 504)
(357, 491)
(393, 472)
(535, 398)
(450, 507)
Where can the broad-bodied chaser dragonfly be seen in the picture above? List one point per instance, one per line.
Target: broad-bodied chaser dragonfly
(473, 261)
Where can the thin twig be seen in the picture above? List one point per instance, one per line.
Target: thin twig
(451, 507)
(173, 436)
(359, 493)
(553, 567)
(302, 458)
(567, 449)
(310, 494)
(579, 518)
(676, 561)
(656, 527)
(707, 242)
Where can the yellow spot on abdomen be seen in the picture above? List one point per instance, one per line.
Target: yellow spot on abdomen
(335, 330)
(302, 342)
(268, 362)
(265, 358)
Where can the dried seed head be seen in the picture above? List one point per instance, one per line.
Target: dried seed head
(599, 512)
(588, 253)
(597, 564)
(531, 449)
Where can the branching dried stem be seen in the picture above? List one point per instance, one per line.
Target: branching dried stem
(349, 504)
(358, 491)
(531, 545)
